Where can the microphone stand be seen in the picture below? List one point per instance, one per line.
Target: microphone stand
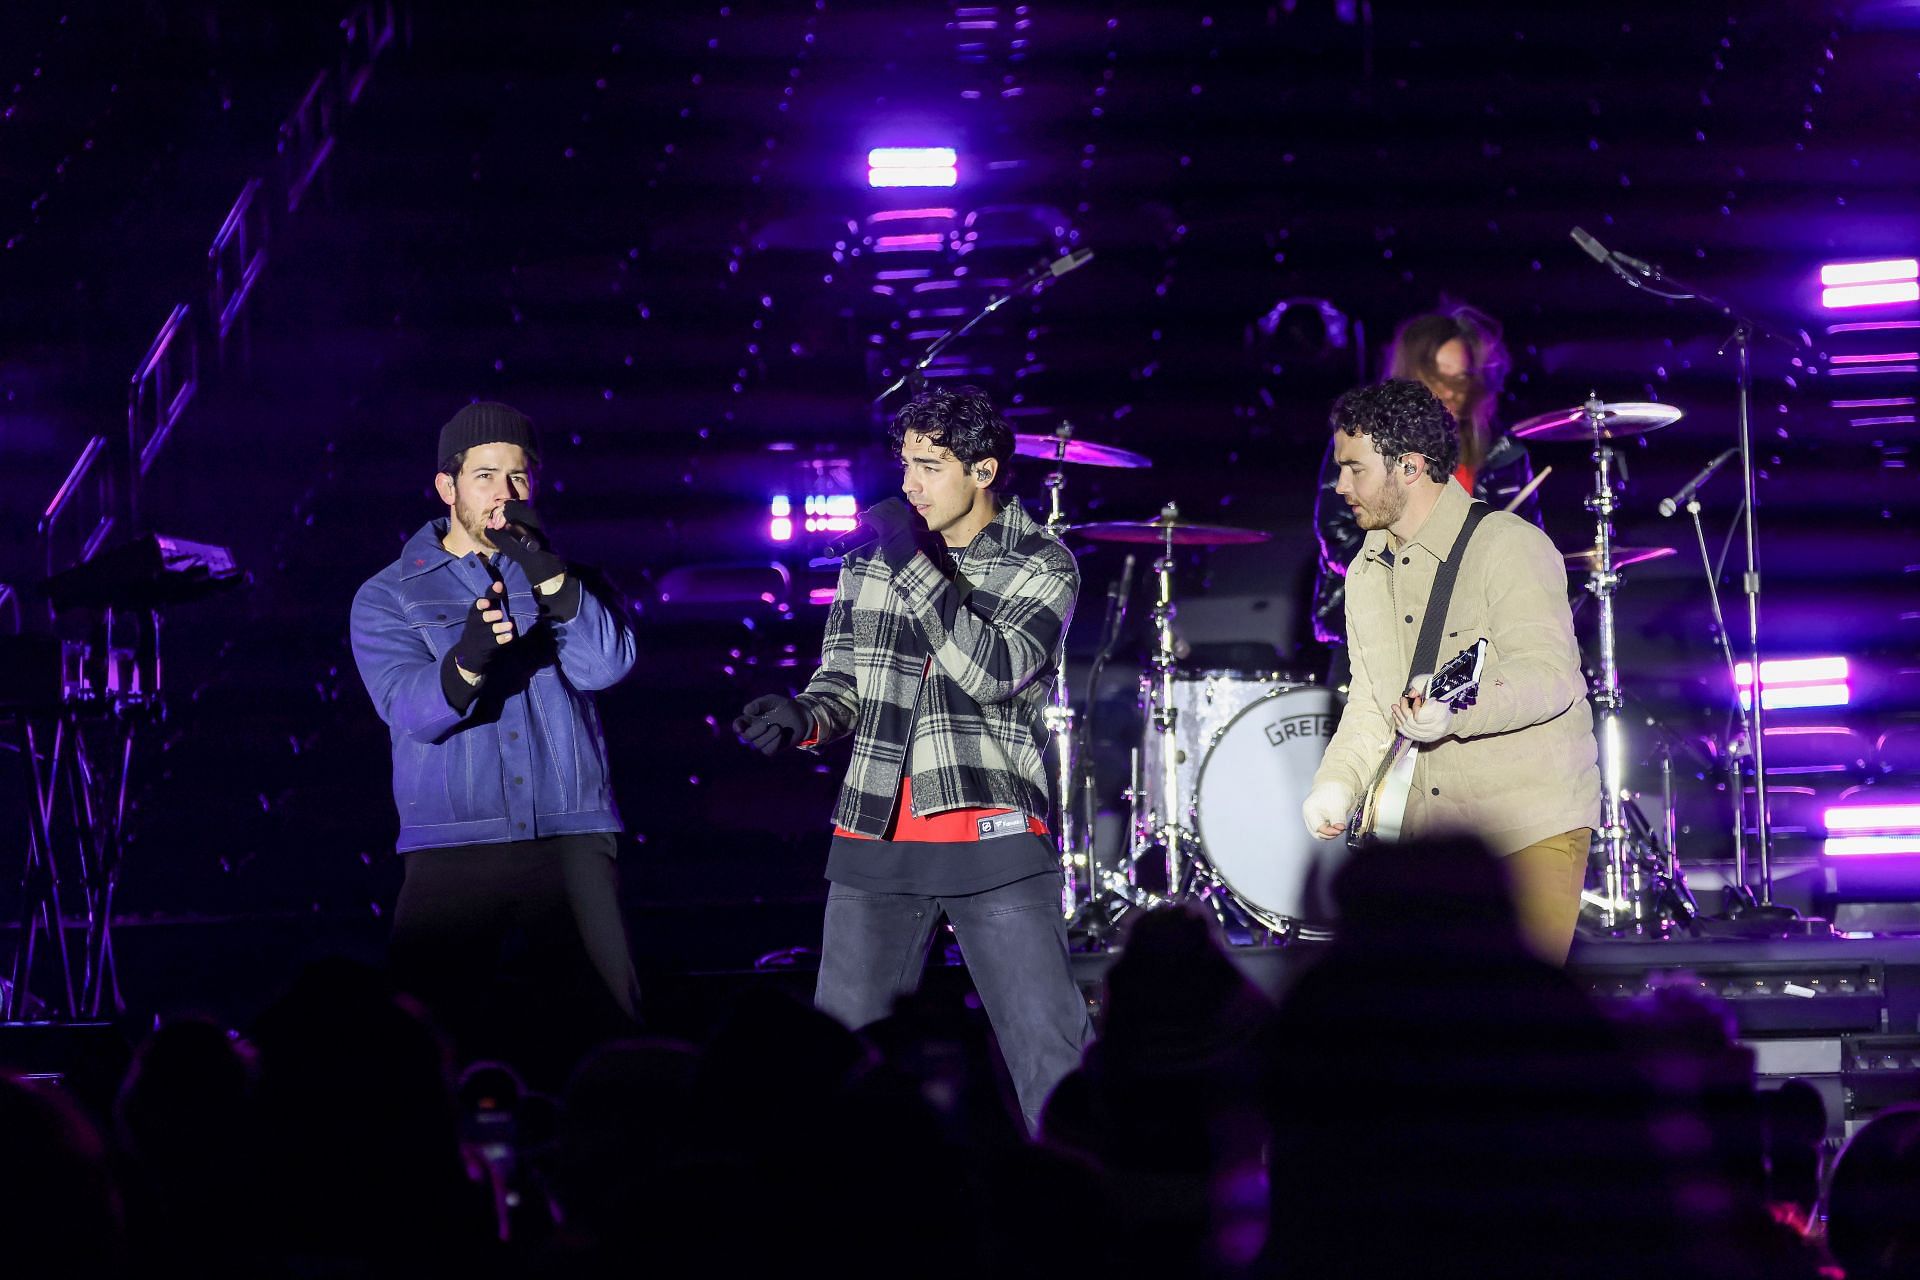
(916, 375)
(1649, 278)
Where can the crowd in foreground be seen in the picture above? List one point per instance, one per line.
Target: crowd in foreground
(1427, 1100)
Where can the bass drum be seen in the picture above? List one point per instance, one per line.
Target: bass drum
(1253, 780)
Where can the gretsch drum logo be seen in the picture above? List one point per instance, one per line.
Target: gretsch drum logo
(1314, 725)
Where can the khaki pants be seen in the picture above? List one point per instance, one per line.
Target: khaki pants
(1547, 878)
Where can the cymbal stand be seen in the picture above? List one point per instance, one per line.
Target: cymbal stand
(1621, 885)
(1161, 820)
(1076, 847)
(1642, 888)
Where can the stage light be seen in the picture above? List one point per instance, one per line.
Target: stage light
(832, 512)
(1870, 284)
(1886, 819)
(1870, 846)
(1872, 829)
(1870, 272)
(920, 243)
(1788, 683)
(912, 167)
(780, 518)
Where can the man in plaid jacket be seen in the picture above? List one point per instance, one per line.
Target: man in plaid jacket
(940, 649)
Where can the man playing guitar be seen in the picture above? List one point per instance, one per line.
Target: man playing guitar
(1518, 767)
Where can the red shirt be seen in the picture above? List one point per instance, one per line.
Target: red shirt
(955, 826)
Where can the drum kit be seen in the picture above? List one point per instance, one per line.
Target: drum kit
(1225, 757)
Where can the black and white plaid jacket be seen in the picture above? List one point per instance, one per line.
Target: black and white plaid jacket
(969, 726)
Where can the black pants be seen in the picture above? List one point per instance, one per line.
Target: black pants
(517, 950)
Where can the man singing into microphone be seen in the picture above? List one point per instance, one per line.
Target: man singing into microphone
(481, 647)
(940, 649)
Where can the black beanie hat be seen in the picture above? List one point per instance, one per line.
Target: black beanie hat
(487, 422)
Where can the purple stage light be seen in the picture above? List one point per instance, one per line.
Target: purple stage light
(1787, 683)
(921, 243)
(780, 518)
(1873, 829)
(907, 215)
(1870, 846)
(820, 595)
(912, 167)
(1870, 284)
(1870, 272)
(1884, 819)
(832, 513)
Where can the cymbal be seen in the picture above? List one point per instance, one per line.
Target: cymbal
(1084, 452)
(1588, 559)
(1623, 418)
(1185, 532)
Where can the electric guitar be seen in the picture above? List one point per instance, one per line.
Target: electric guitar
(1383, 807)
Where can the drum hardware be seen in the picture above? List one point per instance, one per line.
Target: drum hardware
(1745, 914)
(1062, 446)
(1222, 753)
(1587, 559)
(1158, 816)
(1648, 277)
(1642, 890)
(1073, 821)
(1596, 420)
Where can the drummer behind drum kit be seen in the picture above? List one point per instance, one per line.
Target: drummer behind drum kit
(1226, 757)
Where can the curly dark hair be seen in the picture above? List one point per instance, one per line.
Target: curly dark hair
(1402, 416)
(963, 421)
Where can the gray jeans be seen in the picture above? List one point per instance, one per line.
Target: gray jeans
(1015, 944)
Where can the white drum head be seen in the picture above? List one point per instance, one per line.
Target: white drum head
(1252, 783)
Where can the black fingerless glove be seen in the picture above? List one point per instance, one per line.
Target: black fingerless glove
(898, 527)
(524, 541)
(772, 723)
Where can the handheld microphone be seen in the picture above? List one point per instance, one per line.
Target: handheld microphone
(1670, 505)
(852, 540)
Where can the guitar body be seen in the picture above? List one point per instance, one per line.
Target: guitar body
(1382, 810)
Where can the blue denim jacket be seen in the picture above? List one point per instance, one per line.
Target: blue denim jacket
(526, 758)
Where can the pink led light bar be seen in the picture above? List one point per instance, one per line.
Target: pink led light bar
(1873, 829)
(897, 215)
(1870, 846)
(1791, 671)
(1890, 819)
(1787, 683)
(908, 244)
(1870, 272)
(1870, 295)
(832, 513)
(912, 167)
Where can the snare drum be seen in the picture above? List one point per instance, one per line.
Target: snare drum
(1246, 746)
(1253, 780)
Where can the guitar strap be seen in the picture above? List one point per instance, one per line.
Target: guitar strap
(1428, 647)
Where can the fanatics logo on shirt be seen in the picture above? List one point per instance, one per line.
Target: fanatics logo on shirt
(1006, 824)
